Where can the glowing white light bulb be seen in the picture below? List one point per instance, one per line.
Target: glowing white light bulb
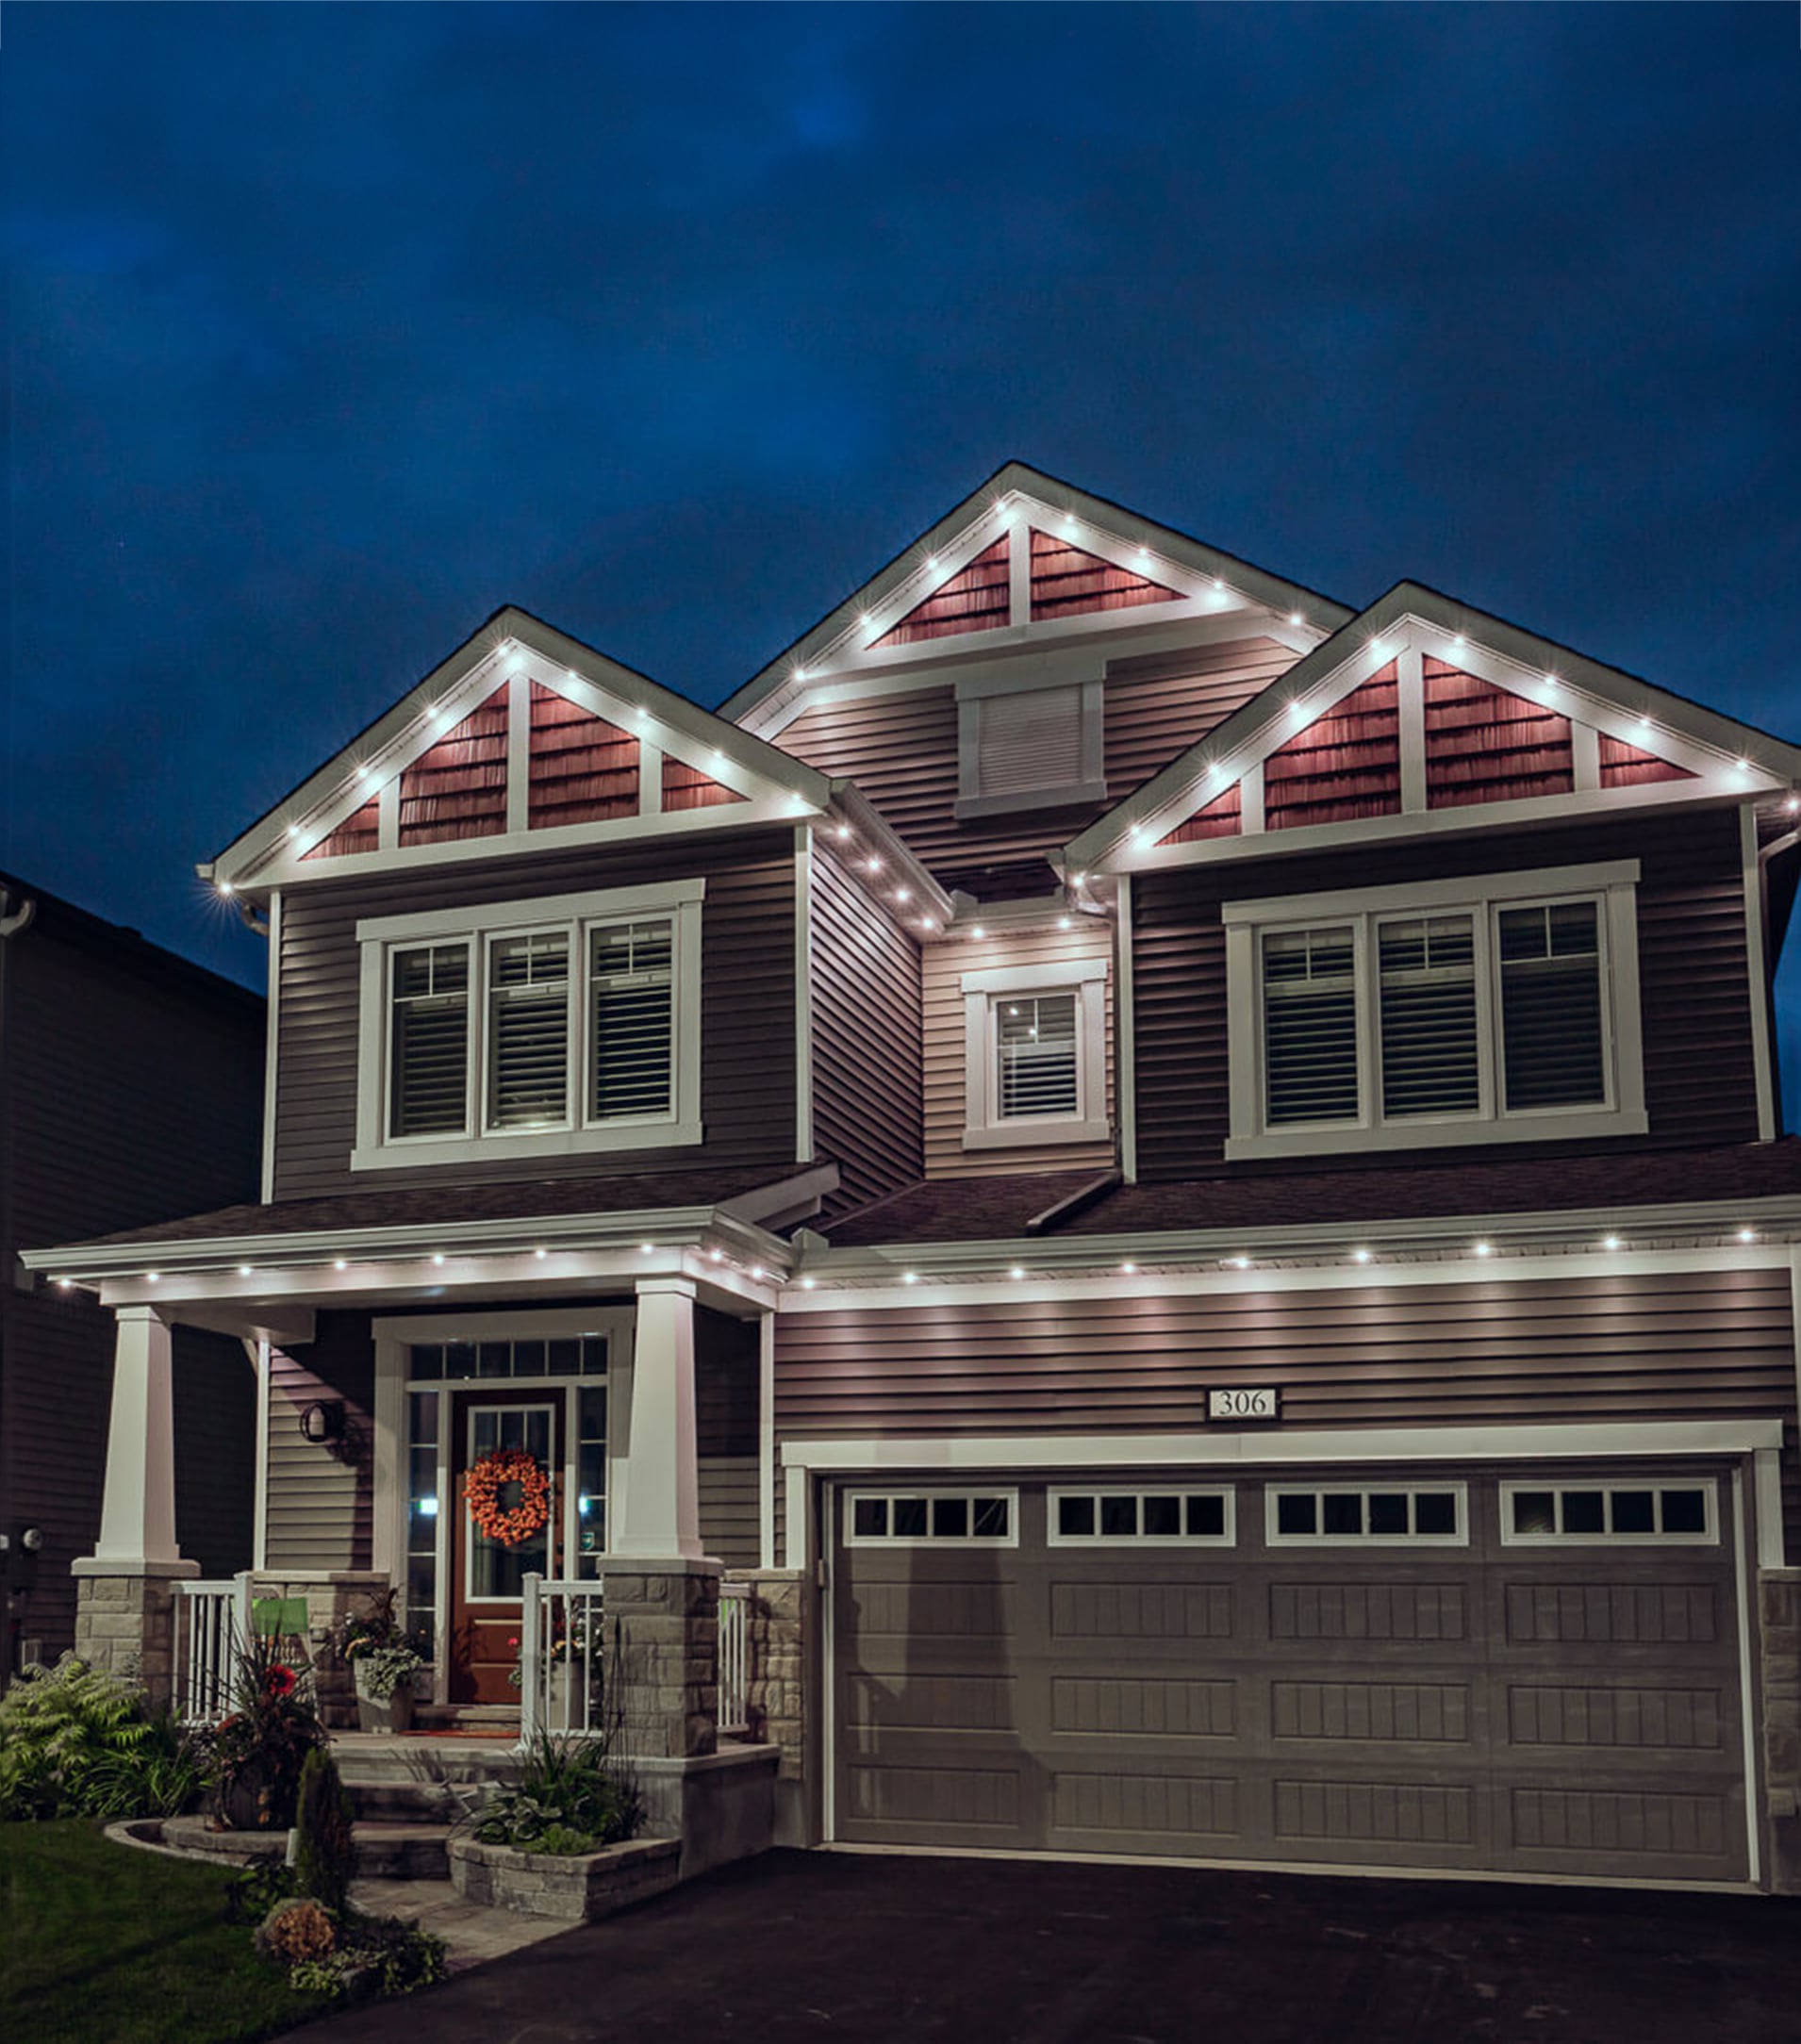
(909, 1277)
(340, 1263)
(1360, 1256)
(438, 1258)
(1015, 1272)
(807, 1283)
(1611, 1241)
(1128, 1269)
(1484, 1249)
(1747, 1234)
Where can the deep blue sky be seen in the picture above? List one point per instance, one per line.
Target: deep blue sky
(334, 328)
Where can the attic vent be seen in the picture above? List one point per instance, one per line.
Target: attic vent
(1028, 743)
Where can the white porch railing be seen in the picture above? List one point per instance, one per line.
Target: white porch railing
(734, 1657)
(562, 1641)
(212, 1623)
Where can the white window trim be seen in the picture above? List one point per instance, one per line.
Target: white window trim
(1091, 782)
(983, 1128)
(1225, 1493)
(478, 927)
(1275, 1493)
(1613, 885)
(1707, 1537)
(909, 1493)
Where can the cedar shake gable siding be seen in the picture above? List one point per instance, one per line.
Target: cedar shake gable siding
(901, 750)
(747, 997)
(1694, 985)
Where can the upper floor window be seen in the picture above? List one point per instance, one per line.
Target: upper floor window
(1035, 1051)
(1500, 1008)
(533, 1027)
(1030, 749)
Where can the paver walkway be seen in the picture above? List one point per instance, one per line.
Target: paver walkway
(832, 1945)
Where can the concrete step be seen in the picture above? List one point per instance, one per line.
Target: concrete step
(406, 1802)
(391, 1852)
(371, 1758)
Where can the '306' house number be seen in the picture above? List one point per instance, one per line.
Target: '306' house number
(1261, 1402)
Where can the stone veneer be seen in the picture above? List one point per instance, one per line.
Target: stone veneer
(1779, 1629)
(126, 1620)
(777, 1699)
(575, 1890)
(662, 1656)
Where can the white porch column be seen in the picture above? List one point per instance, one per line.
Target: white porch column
(661, 1515)
(138, 1514)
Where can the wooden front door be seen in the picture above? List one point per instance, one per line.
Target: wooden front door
(487, 1576)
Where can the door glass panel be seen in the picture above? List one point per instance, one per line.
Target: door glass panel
(496, 1569)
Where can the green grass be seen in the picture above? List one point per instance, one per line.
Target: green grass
(105, 1945)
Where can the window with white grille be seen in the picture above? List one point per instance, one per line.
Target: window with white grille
(1025, 747)
(1406, 1016)
(1036, 1055)
(555, 1025)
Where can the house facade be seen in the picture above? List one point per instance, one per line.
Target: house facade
(1185, 1185)
(131, 1086)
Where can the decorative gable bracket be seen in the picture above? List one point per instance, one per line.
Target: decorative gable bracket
(523, 738)
(1424, 717)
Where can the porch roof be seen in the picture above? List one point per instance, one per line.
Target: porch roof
(1735, 1179)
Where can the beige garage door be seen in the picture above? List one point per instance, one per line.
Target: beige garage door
(1507, 1671)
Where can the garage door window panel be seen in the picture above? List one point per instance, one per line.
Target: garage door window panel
(985, 1518)
(1163, 1517)
(1386, 1515)
(1613, 1515)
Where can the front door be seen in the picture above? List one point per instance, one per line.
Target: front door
(487, 1575)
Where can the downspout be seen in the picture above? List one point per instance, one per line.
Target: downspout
(16, 910)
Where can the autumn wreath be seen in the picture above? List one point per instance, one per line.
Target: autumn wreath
(485, 1484)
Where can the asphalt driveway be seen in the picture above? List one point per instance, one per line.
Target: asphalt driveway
(822, 1945)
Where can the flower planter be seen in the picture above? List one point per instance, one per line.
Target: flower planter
(382, 1713)
(580, 1888)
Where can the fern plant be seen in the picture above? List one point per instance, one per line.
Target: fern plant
(80, 1741)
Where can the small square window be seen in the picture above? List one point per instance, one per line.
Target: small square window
(1435, 1512)
(1634, 1511)
(1342, 1512)
(1076, 1518)
(1388, 1511)
(950, 1518)
(1585, 1511)
(459, 1360)
(991, 1518)
(1118, 1517)
(910, 1518)
(1685, 1512)
(1535, 1512)
(1206, 1518)
(1297, 1513)
(1163, 1518)
(869, 1518)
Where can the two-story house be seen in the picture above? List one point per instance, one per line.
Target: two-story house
(1189, 1180)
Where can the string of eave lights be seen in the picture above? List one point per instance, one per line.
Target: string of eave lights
(1480, 1250)
(369, 776)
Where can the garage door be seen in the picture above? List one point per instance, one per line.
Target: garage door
(1507, 1671)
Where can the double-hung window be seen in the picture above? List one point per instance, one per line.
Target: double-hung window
(1501, 1008)
(531, 1027)
(1035, 1047)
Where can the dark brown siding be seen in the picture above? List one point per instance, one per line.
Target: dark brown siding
(902, 753)
(1712, 1347)
(726, 1365)
(321, 1495)
(131, 1091)
(747, 997)
(868, 1105)
(215, 1450)
(1694, 991)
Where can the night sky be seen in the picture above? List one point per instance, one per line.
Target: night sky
(334, 328)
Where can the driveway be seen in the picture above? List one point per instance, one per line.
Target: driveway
(835, 1945)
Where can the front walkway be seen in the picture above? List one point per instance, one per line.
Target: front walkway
(813, 1945)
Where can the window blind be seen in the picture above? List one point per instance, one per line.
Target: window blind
(631, 993)
(1310, 1026)
(1552, 1049)
(1430, 1060)
(1036, 1055)
(528, 1031)
(428, 1081)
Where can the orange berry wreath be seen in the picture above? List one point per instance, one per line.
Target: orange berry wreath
(488, 1478)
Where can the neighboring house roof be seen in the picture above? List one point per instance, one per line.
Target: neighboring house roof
(999, 1208)
(1184, 572)
(1702, 751)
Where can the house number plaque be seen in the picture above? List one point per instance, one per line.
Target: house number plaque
(1261, 1401)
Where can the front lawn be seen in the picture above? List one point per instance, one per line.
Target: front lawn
(105, 1945)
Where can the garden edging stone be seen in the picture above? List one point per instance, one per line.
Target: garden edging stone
(580, 1888)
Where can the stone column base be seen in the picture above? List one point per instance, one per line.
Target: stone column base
(125, 1619)
(1779, 1633)
(778, 1685)
(662, 1659)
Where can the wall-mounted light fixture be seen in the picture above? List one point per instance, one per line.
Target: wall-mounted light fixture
(322, 1421)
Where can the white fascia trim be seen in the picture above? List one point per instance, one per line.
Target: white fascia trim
(1756, 974)
(870, 829)
(609, 1321)
(529, 912)
(271, 1052)
(1472, 1443)
(1478, 889)
(1036, 1134)
(1035, 978)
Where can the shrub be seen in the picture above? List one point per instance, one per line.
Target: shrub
(295, 1931)
(568, 1788)
(324, 1849)
(79, 1741)
(374, 1955)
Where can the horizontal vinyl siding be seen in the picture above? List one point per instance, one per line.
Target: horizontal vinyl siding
(902, 753)
(215, 1385)
(946, 1088)
(867, 1098)
(1714, 1346)
(727, 1356)
(730, 1529)
(746, 998)
(1694, 988)
(322, 1505)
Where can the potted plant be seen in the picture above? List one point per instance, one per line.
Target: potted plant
(260, 1749)
(385, 1661)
